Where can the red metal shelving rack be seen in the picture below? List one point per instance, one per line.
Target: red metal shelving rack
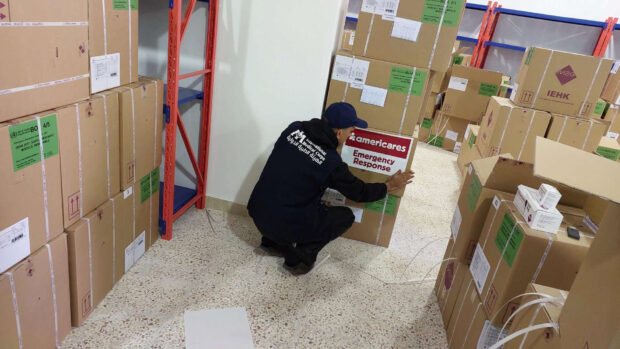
(176, 200)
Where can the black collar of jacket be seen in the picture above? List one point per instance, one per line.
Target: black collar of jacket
(319, 132)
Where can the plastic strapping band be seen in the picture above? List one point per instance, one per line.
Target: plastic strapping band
(562, 129)
(402, 119)
(583, 146)
(156, 117)
(346, 85)
(543, 258)
(600, 61)
(79, 134)
(491, 225)
(49, 255)
(542, 78)
(114, 238)
(107, 138)
(105, 29)
(381, 220)
(540, 306)
(471, 322)
(544, 295)
(42, 84)
(43, 179)
(458, 314)
(133, 134)
(499, 260)
(43, 24)
(90, 263)
(501, 139)
(527, 134)
(15, 309)
(130, 37)
(540, 301)
(443, 13)
(520, 332)
(372, 22)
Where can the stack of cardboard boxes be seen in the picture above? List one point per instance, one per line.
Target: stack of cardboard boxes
(385, 70)
(511, 239)
(81, 138)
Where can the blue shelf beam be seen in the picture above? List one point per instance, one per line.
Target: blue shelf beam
(506, 46)
(186, 95)
(476, 6)
(351, 19)
(182, 195)
(465, 38)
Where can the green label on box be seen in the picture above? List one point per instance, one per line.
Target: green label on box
(155, 181)
(433, 10)
(611, 154)
(400, 81)
(124, 4)
(472, 140)
(435, 140)
(474, 192)
(530, 52)
(25, 146)
(599, 108)
(457, 60)
(509, 230)
(377, 206)
(427, 123)
(488, 89)
(145, 188)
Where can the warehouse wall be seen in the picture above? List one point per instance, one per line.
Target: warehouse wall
(272, 67)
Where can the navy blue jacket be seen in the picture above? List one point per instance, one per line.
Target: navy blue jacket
(286, 200)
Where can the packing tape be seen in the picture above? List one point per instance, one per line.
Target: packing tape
(402, 119)
(130, 38)
(541, 301)
(583, 146)
(458, 314)
(443, 13)
(90, 263)
(499, 260)
(501, 139)
(43, 180)
(105, 29)
(471, 322)
(514, 335)
(381, 219)
(542, 78)
(527, 134)
(43, 24)
(562, 129)
(600, 61)
(540, 306)
(114, 238)
(80, 173)
(55, 304)
(15, 309)
(543, 258)
(539, 294)
(43, 84)
(133, 131)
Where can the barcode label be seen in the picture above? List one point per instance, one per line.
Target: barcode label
(490, 335)
(389, 9)
(105, 72)
(479, 268)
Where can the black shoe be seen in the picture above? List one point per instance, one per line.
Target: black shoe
(272, 248)
(300, 268)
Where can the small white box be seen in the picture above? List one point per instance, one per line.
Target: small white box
(548, 196)
(537, 217)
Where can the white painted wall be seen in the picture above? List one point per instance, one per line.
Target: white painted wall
(272, 67)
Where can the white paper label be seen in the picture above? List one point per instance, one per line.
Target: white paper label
(359, 71)
(479, 268)
(406, 29)
(614, 68)
(333, 197)
(467, 131)
(455, 225)
(357, 212)
(513, 94)
(389, 9)
(457, 83)
(469, 169)
(612, 135)
(371, 6)
(127, 193)
(457, 148)
(452, 135)
(374, 95)
(129, 256)
(105, 72)
(352, 39)
(139, 246)
(14, 244)
(490, 335)
(342, 68)
(618, 100)
(496, 202)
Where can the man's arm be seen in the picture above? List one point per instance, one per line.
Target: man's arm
(355, 189)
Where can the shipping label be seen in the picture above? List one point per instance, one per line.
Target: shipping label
(479, 268)
(25, 145)
(105, 72)
(459, 84)
(342, 68)
(452, 135)
(376, 151)
(139, 246)
(373, 95)
(455, 225)
(488, 89)
(400, 81)
(474, 191)
(490, 335)
(359, 72)
(124, 4)
(427, 123)
(434, 9)
(14, 244)
(608, 153)
(509, 229)
(435, 140)
(377, 206)
(613, 135)
(406, 29)
(389, 9)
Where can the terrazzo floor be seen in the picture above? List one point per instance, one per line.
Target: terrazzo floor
(358, 298)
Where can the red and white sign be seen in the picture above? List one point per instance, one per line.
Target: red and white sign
(376, 151)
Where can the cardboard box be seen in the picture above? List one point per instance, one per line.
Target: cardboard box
(34, 299)
(141, 125)
(537, 217)
(469, 152)
(123, 204)
(461, 59)
(507, 128)
(548, 196)
(438, 82)
(505, 90)
(447, 132)
(383, 93)
(374, 156)
(430, 105)
(348, 38)
(448, 284)
(147, 209)
(27, 184)
(91, 261)
(409, 33)
(560, 82)
(468, 91)
(374, 221)
(546, 338)
(510, 254)
(43, 66)
(611, 90)
(612, 117)
(609, 149)
(113, 43)
(584, 134)
(599, 109)
(89, 148)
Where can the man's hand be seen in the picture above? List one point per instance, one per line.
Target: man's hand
(399, 180)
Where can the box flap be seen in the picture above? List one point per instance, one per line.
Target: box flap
(577, 169)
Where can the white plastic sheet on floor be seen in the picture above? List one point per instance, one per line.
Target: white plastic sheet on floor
(218, 328)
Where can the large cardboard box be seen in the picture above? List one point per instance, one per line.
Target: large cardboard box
(584, 134)
(612, 117)
(507, 128)
(560, 82)
(91, 261)
(123, 205)
(113, 43)
(141, 124)
(383, 93)
(34, 299)
(374, 221)
(469, 152)
(599, 110)
(44, 55)
(429, 106)
(147, 209)
(468, 91)
(448, 284)
(89, 148)
(510, 254)
(545, 338)
(409, 32)
(348, 38)
(447, 132)
(609, 149)
(31, 199)
(611, 90)
(374, 156)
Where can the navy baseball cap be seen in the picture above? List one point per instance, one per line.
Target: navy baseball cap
(343, 115)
